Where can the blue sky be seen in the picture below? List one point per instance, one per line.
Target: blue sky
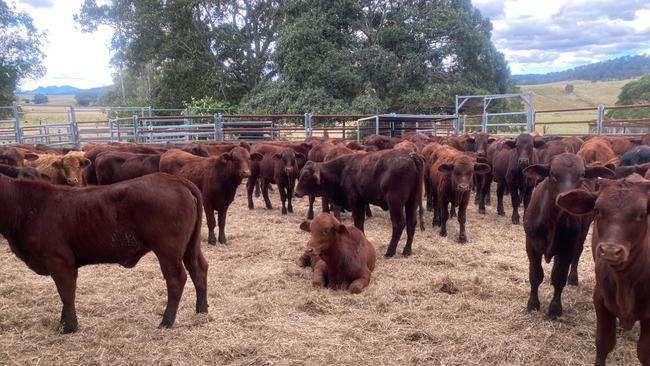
(536, 36)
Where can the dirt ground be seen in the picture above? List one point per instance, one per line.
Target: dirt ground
(448, 304)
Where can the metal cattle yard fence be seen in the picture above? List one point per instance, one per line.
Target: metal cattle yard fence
(74, 126)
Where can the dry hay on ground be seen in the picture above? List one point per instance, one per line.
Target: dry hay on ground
(448, 304)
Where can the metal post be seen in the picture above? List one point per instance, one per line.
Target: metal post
(600, 117)
(377, 125)
(17, 131)
(74, 128)
(530, 111)
(218, 127)
(308, 128)
(484, 118)
(135, 128)
(311, 124)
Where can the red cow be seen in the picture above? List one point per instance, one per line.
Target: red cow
(620, 245)
(450, 181)
(550, 231)
(22, 172)
(15, 157)
(597, 150)
(116, 166)
(347, 258)
(110, 224)
(380, 142)
(391, 179)
(216, 177)
(483, 182)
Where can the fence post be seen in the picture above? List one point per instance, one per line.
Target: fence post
(135, 128)
(18, 131)
(600, 117)
(377, 125)
(74, 128)
(218, 127)
(308, 130)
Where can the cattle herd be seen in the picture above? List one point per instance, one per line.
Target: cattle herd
(113, 203)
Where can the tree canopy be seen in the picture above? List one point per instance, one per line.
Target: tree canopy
(297, 56)
(20, 51)
(634, 92)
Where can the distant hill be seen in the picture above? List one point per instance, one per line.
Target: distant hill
(64, 89)
(621, 68)
(586, 93)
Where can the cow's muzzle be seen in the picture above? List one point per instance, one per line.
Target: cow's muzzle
(612, 253)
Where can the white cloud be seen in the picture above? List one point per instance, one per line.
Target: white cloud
(71, 57)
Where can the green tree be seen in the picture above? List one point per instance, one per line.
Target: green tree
(634, 92)
(40, 99)
(85, 99)
(569, 88)
(20, 49)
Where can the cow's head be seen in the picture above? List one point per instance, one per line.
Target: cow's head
(325, 231)
(481, 141)
(620, 208)
(196, 149)
(462, 171)
(565, 172)
(524, 146)
(239, 160)
(309, 181)
(289, 162)
(70, 169)
(14, 157)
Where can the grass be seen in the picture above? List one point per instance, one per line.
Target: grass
(585, 94)
(448, 304)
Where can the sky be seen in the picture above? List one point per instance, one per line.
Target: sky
(536, 36)
(540, 36)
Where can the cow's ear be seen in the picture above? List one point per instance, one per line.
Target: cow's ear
(277, 156)
(537, 171)
(481, 168)
(597, 171)
(31, 157)
(510, 143)
(341, 229)
(446, 167)
(471, 140)
(538, 144)
(491, 139)
(226, 156)
(58, 164)
(577, 202)
(84, 163)
(300, 156)
(305, 226)
(256, 156)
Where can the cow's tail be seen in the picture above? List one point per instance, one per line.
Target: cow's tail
(419, 162)
(195, 239)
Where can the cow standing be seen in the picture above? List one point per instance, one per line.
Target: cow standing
(551, 233)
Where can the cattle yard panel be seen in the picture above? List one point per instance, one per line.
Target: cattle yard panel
(396, 125)
(498, 122)
(9, 124)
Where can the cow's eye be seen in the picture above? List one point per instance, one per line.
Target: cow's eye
(596, 212)
(642, 216)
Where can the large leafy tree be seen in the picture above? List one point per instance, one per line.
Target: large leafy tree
(20, 51)
(634, 92)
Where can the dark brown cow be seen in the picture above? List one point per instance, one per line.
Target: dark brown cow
(550, 231)
(508, 166)
(483, 182)
(419, 139)
(380, 142)
(597, 150)
(391, 179)
(620, 246)
(460, 143)
(22, 172)
(278, 166)
(640, 169)
(90, 176)
(216, 177)
(317, 154)
(450, 180)
(15, 157)
(110, 224)
(348, 258)
(217, 148)
(116, 166)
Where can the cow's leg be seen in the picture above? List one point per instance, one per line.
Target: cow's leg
(65, 278)
(527, 193)
(319, 274)
(175, 277)
(337, 212)
(251, 184)
(477, 188)
(501, 189)
(257, 188)
(452, 210)
(265, 194)
(411, 210)
(487, 189)
(561, 265)
(212, 223)
(427, 193)
(290, 197)
(643, 346)
(606, 330)
(310, 211)
(197, 266)
(398, 222)
(436, 209)
(223, 213)
(358, 215)
(573, 273)
(516, 201)
(462, 217)
(444, 215)
(483, 192)
(325, 202)
(283, 198)
(359, 284)
(368, 211)
(535, 275)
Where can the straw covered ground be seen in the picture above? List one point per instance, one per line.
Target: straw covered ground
(448, 304)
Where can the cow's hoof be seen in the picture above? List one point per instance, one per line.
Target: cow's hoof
(462, 239)
(443, 233)
(533, 305)
(212, 240)
(515, 220)
(290, 209)
(554, 310)
(284, 211)
(481, 211)
(69, 327)
(251, 206)
(222, 241)
(406, 253)
(572, 280)
(310, 216)
(501, 213)
(600, 361)
(389, 254)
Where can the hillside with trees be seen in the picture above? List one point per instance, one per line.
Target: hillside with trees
(621, 68)
(633, 93)
(299, 55)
